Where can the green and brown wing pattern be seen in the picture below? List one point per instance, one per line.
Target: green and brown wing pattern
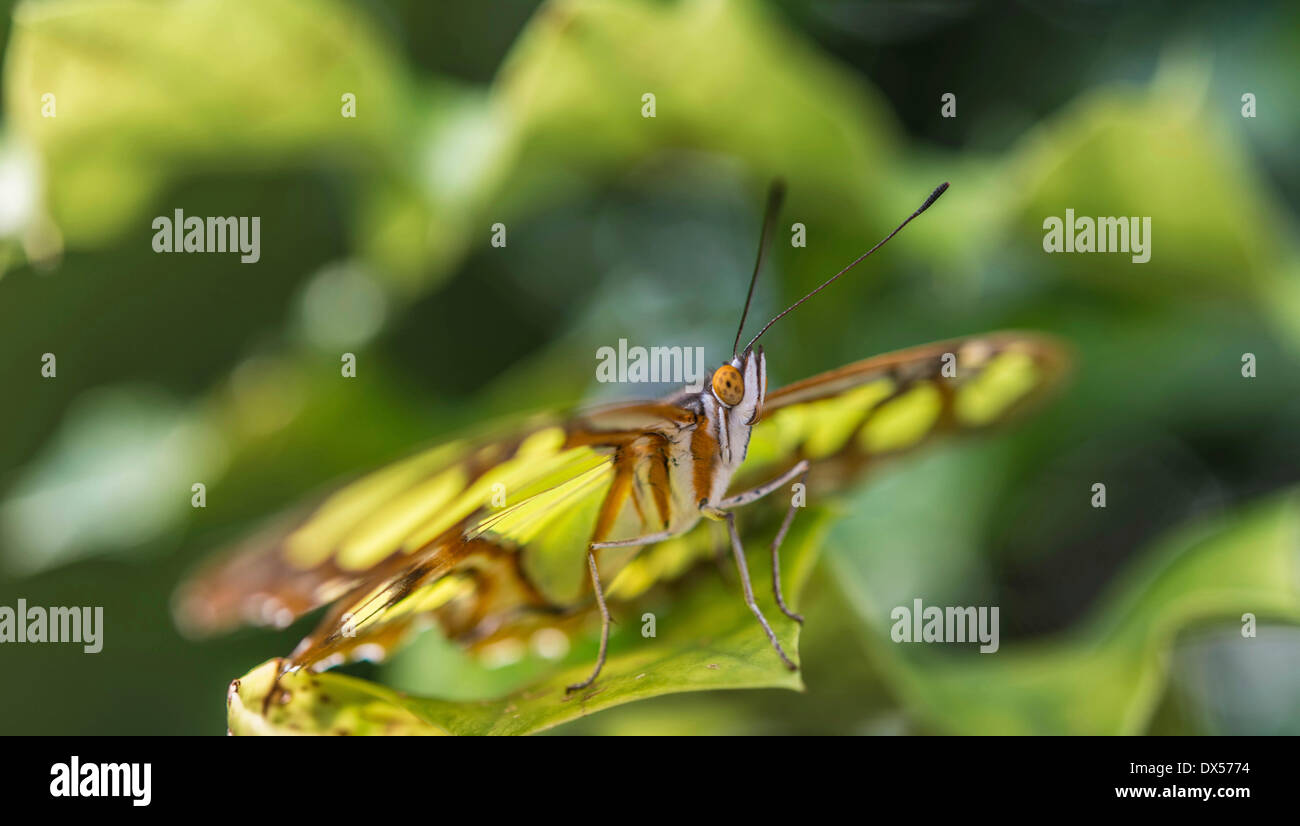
(846, 419)
(469, 534)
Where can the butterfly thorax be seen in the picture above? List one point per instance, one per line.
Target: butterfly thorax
(705, 455)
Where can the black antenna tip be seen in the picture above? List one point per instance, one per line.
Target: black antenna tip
(934, 196)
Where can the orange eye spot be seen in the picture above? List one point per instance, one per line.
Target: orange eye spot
(728, 386)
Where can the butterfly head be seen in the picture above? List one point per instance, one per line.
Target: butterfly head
(740, 385)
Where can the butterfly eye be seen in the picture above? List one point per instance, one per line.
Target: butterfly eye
(728, 386)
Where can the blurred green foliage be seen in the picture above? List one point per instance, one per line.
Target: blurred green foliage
(176, 368)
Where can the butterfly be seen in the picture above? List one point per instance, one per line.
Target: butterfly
(485, 533)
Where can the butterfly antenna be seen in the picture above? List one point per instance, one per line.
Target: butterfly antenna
(775, 195)
(934, 196)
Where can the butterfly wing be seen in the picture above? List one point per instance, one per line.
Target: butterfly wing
(474, 577)
(471, 534)
(844, 420)
(321, 551)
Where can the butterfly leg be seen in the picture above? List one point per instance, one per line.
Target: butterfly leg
(600, 597)
(738, 551)
(800, 470)
(753, 495)
(721, 547)
(776, 559)
(604, 624)
(648, 539)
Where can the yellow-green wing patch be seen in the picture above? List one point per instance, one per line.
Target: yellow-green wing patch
(373, 527)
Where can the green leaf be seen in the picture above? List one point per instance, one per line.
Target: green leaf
(142, 99)
(706, 639)
(584, 68)
(734, 89)
(1151, 152)
(1108, 675)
